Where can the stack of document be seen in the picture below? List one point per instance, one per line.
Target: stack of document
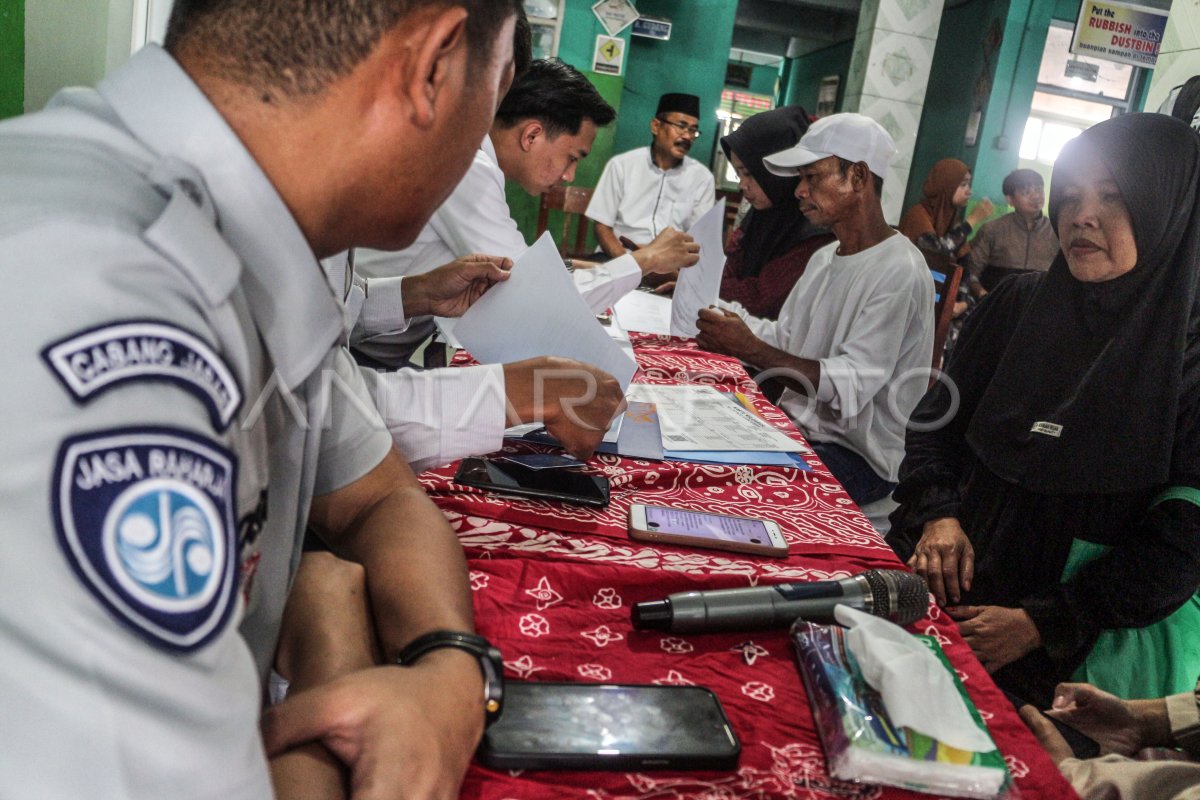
(701, 424)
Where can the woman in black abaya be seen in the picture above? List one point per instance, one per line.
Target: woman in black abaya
(1056, 514)
(768, 252)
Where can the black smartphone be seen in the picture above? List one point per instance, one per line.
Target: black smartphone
(1082, 745)
(570, 486)
(588, 726)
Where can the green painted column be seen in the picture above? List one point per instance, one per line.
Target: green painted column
(1007, 108)
(12, 57)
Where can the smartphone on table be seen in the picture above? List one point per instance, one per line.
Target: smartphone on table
(661, 524)
(587, 726)
(507, 477)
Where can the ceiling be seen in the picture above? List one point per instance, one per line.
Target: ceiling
(793, 27)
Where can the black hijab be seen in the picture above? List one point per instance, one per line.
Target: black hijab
(771, 233)
(1107, 361)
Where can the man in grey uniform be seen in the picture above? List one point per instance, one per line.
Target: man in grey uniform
(176, 400)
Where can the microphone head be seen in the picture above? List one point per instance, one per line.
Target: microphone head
(900, 597)
(652, 615)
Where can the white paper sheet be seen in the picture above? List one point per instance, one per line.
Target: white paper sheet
(699, 285)
(701, 418)
(539, 312)
(645, 312)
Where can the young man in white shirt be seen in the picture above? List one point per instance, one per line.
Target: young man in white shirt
(543, 128)
(645, 191)
(854, 340)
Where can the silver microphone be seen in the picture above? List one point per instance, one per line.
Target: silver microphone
(901, 597)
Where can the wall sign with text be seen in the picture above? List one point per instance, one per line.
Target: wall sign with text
(1121, 32)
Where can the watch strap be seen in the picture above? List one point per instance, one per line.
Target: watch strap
(490, 662)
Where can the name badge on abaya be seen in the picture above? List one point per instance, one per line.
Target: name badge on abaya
(1048, 428)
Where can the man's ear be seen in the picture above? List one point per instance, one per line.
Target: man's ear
(434, 61)
(530, 131)
(860, 175)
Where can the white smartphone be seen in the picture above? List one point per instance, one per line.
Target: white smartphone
(701, 529)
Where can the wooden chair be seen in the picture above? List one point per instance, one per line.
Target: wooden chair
(946, 277)
(732, 198)
(572, 201)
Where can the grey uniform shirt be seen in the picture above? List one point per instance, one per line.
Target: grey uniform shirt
(174, 399)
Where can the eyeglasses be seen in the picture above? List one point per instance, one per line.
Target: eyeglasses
(682, 127)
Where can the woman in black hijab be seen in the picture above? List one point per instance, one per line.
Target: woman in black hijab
(1055, 513)
(770, 249)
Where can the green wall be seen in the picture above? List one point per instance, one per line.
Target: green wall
(805, 73)
(1010, 69)
(12, 57)
(763, 80)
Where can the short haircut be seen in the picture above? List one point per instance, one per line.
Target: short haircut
(522, 44)
(845, 164)
(299, 47)
(557, 95)
(1020, 179)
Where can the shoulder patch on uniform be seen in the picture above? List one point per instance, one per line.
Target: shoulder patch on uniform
(92, 361)
(145, 516)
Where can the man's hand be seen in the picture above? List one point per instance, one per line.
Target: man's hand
(402, 731)
(1118, 726)
(945, 558)
(451, 289)
(576, 401)
(1047, 735)
(671, 250)
(996, 635)
(724, 332)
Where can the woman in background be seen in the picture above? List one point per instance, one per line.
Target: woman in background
(768, 252)
(1056, 514)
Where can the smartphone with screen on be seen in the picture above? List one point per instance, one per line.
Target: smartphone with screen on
(588, 726)
(664, 525)
(567, 485)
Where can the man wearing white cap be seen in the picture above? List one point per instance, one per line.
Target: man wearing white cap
(854, 340)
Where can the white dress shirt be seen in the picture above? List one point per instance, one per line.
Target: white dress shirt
(437, 416)
(639, 200)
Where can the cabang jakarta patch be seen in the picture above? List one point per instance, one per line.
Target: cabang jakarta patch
(145, 517)
(92, 361)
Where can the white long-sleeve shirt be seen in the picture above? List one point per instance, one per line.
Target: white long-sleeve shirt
(425, 410)
(868, 320)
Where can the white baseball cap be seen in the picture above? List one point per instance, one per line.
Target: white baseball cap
(853, 137)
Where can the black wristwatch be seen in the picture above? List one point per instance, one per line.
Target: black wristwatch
(490, 663)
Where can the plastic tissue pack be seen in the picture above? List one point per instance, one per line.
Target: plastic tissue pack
(861, 741)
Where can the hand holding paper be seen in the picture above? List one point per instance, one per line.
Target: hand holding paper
(539, 312)
(699, 286)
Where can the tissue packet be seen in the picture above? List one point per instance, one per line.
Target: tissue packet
(860, 742)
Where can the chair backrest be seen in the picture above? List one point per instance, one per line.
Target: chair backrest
(732, 198)
(572, 201)
(946, 277)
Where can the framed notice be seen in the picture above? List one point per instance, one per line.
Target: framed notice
(609, 56)
(1122, 32)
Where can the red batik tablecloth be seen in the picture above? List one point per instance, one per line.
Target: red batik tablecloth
(553, 586)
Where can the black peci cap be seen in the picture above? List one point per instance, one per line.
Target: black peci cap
(681, 103)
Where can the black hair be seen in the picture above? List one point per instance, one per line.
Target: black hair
(1018, 179)
(557, 95)
(845, 164)
(522, 44)
(299, 47)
